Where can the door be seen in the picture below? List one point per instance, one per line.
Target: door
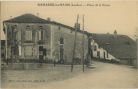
(61, 50)
(41, 56)
(104, 55)
(61, 54)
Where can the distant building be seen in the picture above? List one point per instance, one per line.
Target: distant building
(114, 47)
(30, 38)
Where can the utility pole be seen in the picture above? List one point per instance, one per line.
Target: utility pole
(136, 39)
(83, 44)
(137, 51)
(137, 47)
(5, 27)
(76, 27)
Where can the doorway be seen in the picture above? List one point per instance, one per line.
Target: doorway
(61, 54)
(104, 55)
(61, 51)
(41, 56)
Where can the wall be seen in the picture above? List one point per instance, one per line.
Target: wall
(134, 62)
(53, 33)
(108, 56)
(2, 49)
(32, 46)
(68, 36)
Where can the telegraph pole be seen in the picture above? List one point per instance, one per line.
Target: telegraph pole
(136, 39)
(83, 44)
(74, 47)
(5, 27)
(137, 47)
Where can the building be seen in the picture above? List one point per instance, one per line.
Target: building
(114, 47)
(33, 39)
(3, 50)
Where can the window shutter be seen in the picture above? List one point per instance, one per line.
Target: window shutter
(42, 34)
(39, 35)
(28, 35)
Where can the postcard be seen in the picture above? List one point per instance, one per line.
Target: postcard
(69, 44)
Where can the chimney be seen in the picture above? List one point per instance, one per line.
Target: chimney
(49, 19)
(107, 33)
(10, 17)
(115, 32)
(77, 25)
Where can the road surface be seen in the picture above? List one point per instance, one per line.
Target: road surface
(104, 75)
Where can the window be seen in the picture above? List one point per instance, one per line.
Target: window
(40, 27)
(71, 31)
(40, 52)
(127, 43)
(2, 55)
(59, 27)
(98, 54)
(40, 35)
(14, 32)
(28, 50)
(61, 40)
(20, 50)
(15, 50)
(107, 54)
(14, 28)
(104, 54)
(45, 51)
(95, 48)
(28, 35)
(99, 46)
(16, 35)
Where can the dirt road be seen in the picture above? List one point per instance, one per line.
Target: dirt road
(104, 75)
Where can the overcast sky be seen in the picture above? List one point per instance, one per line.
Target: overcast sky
(122, 16)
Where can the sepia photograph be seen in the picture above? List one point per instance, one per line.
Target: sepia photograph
(69, 44)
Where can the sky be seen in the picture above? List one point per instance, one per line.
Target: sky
(112, 15)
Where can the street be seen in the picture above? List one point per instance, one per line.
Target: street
(104, 75)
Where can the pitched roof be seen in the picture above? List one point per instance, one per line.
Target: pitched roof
(29, 18)
(120, 46)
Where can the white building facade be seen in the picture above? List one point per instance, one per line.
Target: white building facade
(100, 53)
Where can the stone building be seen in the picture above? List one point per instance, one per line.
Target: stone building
(100, 53)
(2, 50)
(114, 47)
(33, 39)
